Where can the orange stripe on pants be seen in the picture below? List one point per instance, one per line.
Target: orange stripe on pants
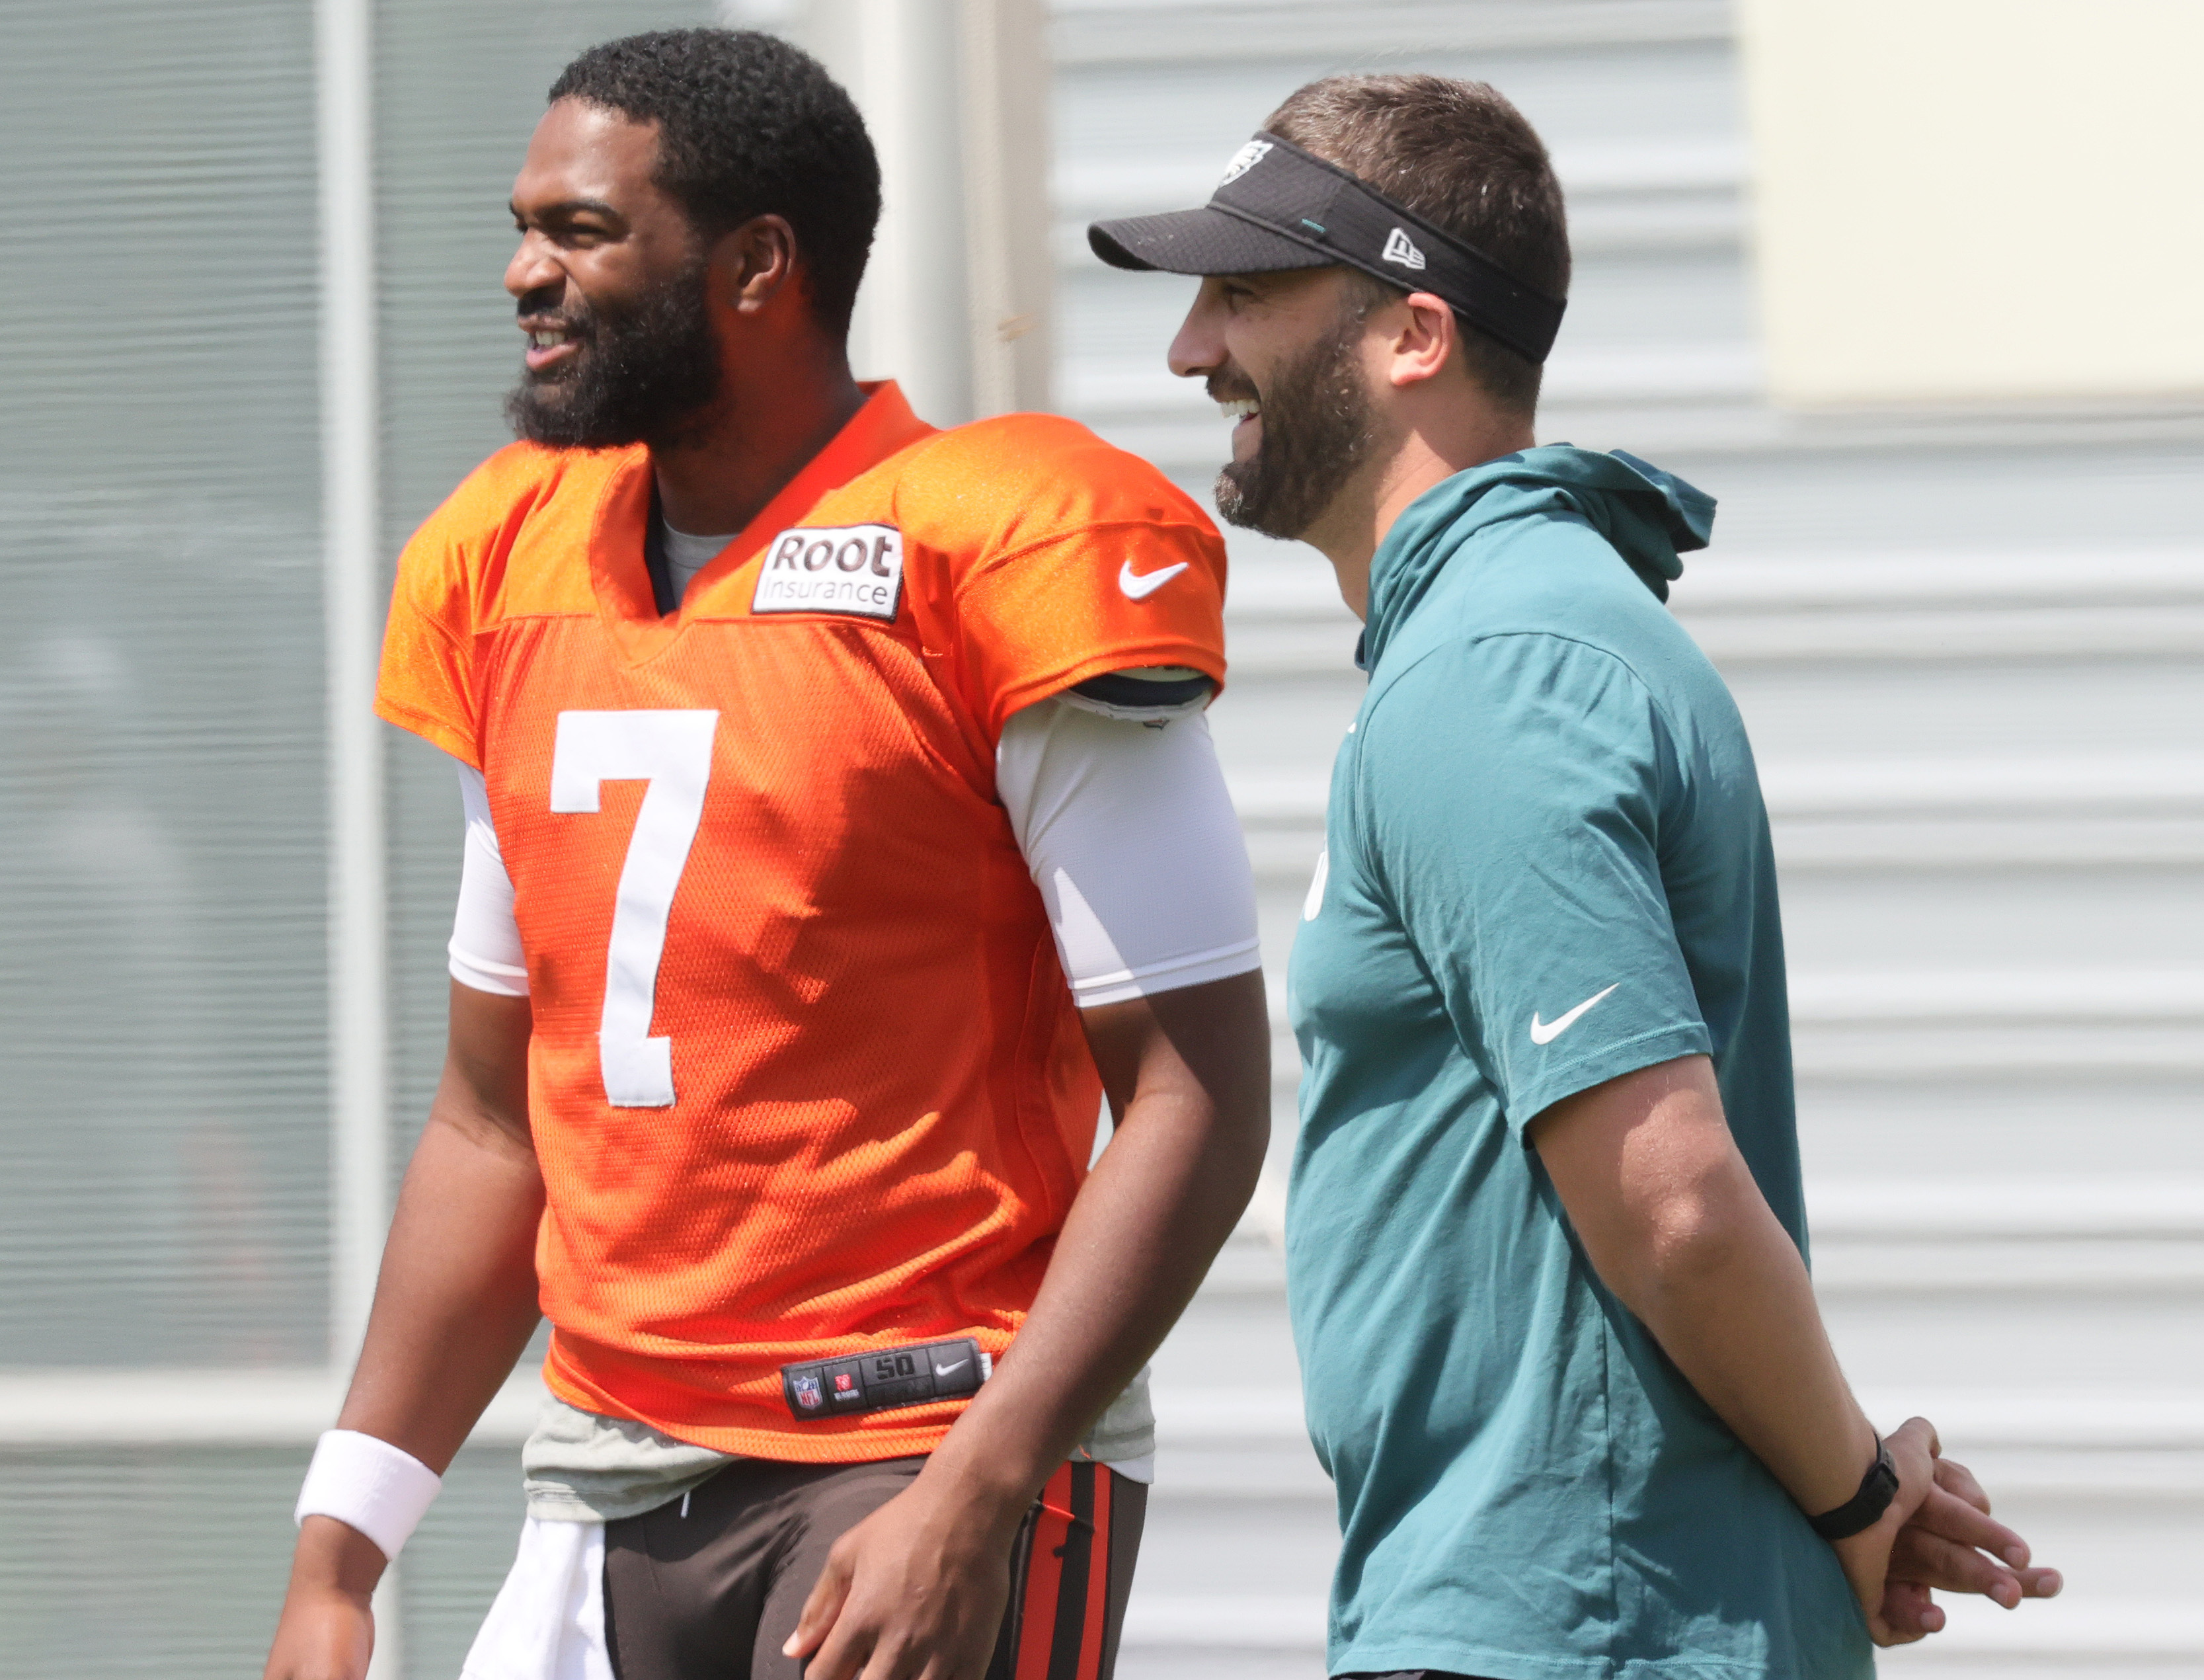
(1045, 1577)
(1097, 1582)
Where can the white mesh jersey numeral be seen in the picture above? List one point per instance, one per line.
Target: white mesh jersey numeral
(672, 752)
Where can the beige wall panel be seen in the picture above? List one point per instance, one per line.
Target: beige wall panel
(1967, 200)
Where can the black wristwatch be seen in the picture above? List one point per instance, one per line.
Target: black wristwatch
(1860, 1512)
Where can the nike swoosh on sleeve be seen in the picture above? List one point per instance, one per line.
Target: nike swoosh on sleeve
(1544, 1033)
(1139, 586)
(943, 1370)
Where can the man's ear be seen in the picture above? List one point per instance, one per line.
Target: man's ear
(1424, 341)
(758, 260)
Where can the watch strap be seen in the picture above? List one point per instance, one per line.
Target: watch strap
(1860, 1512)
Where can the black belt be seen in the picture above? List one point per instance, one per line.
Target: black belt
(911, 1375)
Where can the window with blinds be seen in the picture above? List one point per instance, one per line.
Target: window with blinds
(166, 1188)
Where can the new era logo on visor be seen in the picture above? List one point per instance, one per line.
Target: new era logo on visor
(1399, 248)
(849, 568)
(1244, 160)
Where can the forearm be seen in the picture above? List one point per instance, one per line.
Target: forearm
(1673, 1223)
(1734, 1308)
(456, 1299)
(1149, 1220)
(1159, 1203)
(454, 1305)
(455, 1302)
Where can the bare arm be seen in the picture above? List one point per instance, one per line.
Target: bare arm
(1671, 1219)
(456, 1300)
(454, 1305)
(1188, 1073)
(1188, 1076)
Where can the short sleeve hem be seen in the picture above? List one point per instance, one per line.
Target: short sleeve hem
(433, 730)
(1609, 1062)
(1046, 686)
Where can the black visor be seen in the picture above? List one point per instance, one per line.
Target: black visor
(1278, 207)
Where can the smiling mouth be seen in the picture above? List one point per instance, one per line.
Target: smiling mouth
(1246, 413)
(547, 346)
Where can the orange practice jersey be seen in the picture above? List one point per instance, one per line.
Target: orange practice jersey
(805, 1078)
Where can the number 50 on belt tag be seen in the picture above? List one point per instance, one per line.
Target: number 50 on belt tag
(885, 1377)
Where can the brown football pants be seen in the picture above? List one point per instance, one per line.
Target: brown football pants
(711, 1591)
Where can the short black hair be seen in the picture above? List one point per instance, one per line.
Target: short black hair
(749, 126)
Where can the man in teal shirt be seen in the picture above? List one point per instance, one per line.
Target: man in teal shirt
(1545, 1239)
(1547, 867)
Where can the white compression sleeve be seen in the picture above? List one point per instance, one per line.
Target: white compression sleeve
(1131, 837)
(485, 945)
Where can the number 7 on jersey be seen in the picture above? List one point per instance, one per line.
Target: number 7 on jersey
(671, 752)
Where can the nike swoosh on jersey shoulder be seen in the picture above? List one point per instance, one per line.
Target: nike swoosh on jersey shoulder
(1140, 586)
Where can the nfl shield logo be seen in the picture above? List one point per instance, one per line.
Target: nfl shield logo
(807, 1395)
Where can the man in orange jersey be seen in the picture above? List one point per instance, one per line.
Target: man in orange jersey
(822, 877)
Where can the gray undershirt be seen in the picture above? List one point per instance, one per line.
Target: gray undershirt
(579, 1467)
(687, 555)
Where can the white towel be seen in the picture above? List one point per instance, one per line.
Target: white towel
(549, 1620)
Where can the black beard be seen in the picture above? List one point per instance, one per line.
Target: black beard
(1318, 429)
(645, 374)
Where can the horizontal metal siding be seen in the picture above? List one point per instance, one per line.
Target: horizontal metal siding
(162, 1159)
(168, 1561)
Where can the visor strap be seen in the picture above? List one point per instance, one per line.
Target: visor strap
(1286, 191)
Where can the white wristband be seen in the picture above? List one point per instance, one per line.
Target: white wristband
(370, 1485)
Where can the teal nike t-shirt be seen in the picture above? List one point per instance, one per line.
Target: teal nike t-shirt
(1546, 865)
